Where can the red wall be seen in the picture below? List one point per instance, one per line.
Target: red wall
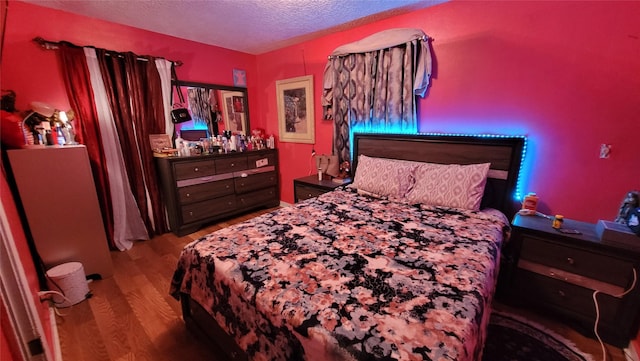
(34, 74)
(566, 74)
(534, 68)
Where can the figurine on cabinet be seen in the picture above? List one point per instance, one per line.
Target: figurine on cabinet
(630, 202)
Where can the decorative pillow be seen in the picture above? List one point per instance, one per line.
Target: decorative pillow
(383, 177)
(449, 185)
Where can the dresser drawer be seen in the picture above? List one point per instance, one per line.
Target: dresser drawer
(199, 192)
(255, 181)
(592, 265)
(570, 298)
(264, 160)
(195, 169)
(231, 164)
(260, 197)
(305, 192)
(201, 210)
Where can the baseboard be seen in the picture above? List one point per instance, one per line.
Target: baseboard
(55, 337)
(285, 204)
(631, 352)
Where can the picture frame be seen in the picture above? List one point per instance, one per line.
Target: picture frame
(160, 142)
(234, 105)
(239, 78)
(295, 109)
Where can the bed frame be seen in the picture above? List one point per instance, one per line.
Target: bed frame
(503, 152)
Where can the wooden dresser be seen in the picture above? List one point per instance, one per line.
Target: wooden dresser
(558, 273)
(200, 189)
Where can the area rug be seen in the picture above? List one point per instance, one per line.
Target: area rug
(513, 338)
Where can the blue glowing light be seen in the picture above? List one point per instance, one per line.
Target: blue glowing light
(194, 124)
(381, 129)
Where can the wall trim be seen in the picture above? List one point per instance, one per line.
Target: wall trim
(26, 324)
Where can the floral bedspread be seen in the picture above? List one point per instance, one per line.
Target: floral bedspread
(350, 277)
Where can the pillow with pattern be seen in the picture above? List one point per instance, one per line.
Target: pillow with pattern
(449, 185)
(383, 177)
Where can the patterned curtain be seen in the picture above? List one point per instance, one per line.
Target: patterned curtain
(374, 91)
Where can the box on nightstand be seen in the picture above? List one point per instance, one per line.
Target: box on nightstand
(617, 234)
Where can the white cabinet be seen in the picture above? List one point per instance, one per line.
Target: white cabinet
(58, 194)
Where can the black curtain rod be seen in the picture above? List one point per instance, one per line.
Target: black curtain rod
(52, 45)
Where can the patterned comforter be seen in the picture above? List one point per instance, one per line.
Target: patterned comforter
(350, 277)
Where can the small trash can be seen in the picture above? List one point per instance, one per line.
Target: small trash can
(70, 280)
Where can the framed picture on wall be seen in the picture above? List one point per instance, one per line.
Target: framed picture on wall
(295, 109)
(239, 78)
(233, 111)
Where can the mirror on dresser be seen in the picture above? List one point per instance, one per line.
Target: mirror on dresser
(213, 107)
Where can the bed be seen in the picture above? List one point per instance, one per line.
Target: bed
(399, 265)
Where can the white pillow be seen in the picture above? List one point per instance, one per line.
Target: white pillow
(383, 177)
(449, 185)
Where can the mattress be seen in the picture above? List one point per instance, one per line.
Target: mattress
(347, 276)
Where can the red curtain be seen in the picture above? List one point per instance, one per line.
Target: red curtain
(135, 98)
(78, 85)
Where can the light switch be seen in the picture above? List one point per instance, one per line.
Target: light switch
(605, 151)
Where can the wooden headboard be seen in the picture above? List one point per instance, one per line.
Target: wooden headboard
(504, 153)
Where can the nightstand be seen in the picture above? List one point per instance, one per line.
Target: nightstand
(310, 187)
(558, 273)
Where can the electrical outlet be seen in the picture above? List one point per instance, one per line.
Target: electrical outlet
(605, 151)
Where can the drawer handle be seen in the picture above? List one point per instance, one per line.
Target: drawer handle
(191, 213)
(570, 261)
(188, 195)
(558, 277)
(561, 293)
(196, 169)
(228, 186)
(233, 164)
(244, 175)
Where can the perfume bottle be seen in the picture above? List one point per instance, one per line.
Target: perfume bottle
(59, 135)
(66, 129)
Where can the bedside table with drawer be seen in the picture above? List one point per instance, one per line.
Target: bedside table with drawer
(559, 273)
(310, 187)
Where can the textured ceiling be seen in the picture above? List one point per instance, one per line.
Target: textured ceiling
(251, 26)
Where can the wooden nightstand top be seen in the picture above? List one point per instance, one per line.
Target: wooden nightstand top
(542, 226)
(326, 184)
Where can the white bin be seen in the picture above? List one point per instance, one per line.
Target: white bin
(70, 280)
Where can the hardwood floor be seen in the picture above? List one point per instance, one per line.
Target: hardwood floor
(131, 316)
